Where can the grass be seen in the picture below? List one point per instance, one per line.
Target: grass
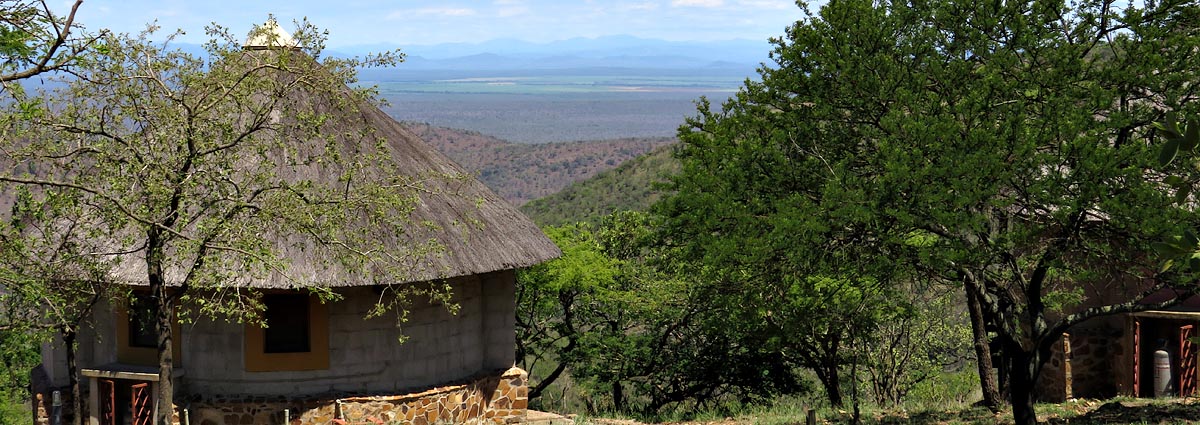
(1076, 412)
(1123, 410)
(948, 400)
(14, 410)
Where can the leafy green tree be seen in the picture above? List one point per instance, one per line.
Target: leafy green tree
(49, 283)
(198, 175)
(551, 298)
(915, 342)
(1010, 135)
(772, 241)
(34, 40)
(641, 337)
(1181, 137)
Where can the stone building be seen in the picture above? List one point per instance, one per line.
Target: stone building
(321, 363)
(1114, 355)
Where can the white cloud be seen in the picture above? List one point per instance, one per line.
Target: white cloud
(431, 11)
(697, 3)
(506, 12)
(767, 4)
(640, 6)
(510, 8)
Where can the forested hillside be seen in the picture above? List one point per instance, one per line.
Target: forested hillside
(522, 172)
(630, 186)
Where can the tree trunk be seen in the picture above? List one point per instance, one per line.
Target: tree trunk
(536, 391)
(983, 353)
(854, 385)
(68, 338)
(162, 326)
(1022, 376)
(166, 358)
(618, 396)
(831, 381)
(1005, 369)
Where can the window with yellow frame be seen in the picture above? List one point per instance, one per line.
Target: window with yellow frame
(296, 336)
(137, 343)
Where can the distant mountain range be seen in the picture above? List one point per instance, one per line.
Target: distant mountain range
(610, 51)
(621, 51)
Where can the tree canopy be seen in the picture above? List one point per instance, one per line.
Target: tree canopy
(1000, 146)
(635, 336)
(34, 40)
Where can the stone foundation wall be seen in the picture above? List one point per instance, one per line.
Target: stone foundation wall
(41, 415)
(1093, 357)
(497, 399)
(1083, 364)
(1054, 384)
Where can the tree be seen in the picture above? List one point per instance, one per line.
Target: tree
(1181, 137)
(633, 332)
(49, 284)
(552, 296)
(914, 342)
(773, 241)
(33, 40)
(199, 175)
(1008, 136)
(751, 227)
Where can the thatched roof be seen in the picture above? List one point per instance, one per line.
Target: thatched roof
(477, 231)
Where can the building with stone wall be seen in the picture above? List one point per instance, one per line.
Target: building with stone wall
(327, 362)
(1114, 355)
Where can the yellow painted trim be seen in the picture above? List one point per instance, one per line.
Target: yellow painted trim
(143, 356)
(318, 339)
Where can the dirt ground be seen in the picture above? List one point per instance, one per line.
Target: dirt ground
(1075, 412)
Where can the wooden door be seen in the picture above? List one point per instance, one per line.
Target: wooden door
(142, 409)
(108, 402)
(1187, 361)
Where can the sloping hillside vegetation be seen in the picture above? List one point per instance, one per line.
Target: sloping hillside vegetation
(630, 186)
(522, 172)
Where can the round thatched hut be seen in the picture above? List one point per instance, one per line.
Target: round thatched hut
(326, 362)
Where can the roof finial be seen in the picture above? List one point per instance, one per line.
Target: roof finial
(270, 36)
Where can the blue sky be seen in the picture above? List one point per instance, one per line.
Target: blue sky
(354, 22)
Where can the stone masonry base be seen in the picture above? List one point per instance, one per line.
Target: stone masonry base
(492, 399)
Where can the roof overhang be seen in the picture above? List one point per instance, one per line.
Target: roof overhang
(1175, 315)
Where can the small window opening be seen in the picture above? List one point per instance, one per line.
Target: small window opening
(286, 317)
(141, 321)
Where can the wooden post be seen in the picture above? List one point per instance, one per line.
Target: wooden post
(1067, 378)
(811, 419)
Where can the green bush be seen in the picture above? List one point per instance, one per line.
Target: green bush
(18, 355)
(14, 410)
(949, 389)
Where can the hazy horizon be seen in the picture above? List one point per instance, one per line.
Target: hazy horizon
(412, 23)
